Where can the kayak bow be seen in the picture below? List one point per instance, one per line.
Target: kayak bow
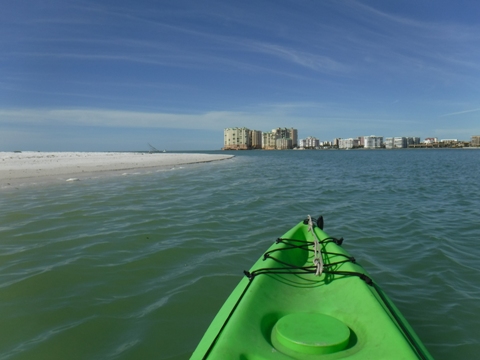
(307, 298)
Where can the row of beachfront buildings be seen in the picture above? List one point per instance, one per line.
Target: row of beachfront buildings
(287, 138)
(376, 142)
(366, 142)
(379, 142)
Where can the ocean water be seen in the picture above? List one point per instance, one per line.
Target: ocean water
(135, 267)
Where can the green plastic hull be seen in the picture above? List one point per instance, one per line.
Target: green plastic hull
(282, 311)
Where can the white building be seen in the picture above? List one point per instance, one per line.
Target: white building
(388, 143)
(400, 142)
(373, 142)
(347, 143)
(395, 142)
(309, 143)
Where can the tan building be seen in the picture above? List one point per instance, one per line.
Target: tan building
(294, 137)
(246, 139)
(268, 141)
(283, 144)
(256, 139)
(236, 139)
(475, 140)
(285, 133)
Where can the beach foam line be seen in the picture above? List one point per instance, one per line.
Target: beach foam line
(31, 167)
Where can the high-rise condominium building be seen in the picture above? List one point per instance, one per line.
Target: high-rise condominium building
(256, 139)
(245, 139)
(400, 142)
(236, 139)
(269, 141)
(389, 143)
(475, 140)
(283, 144)
(347, 143)
(413, 140)
(372, 142)
(309, 143)
(284, 133)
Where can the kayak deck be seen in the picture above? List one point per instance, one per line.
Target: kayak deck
(282, 310)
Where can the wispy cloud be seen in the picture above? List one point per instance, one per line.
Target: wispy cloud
(212, 120)
(460, 112)
(261, 117)
(268, 114)
(311, 61)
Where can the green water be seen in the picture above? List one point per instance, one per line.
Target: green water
(135, 267)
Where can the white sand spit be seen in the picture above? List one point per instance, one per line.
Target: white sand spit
(40, 167)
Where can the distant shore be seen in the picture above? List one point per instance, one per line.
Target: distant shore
(29, 167)
(367, 149)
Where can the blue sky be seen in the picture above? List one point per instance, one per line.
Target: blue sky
(117, 75)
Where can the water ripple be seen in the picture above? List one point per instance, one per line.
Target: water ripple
(137, 266)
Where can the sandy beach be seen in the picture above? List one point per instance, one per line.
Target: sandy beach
(44, 167)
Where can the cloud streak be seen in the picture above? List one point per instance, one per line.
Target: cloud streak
(460, 112)
(259, 117)
(212, 120)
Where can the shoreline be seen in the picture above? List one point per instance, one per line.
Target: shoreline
(34, 168)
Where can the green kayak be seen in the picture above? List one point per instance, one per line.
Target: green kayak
(307, 298)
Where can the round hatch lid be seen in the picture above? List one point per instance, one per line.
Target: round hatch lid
(310, 334)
